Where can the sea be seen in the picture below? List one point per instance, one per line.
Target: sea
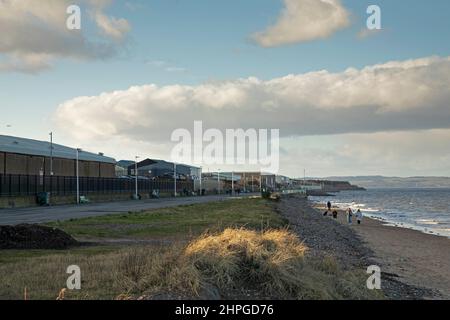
(426, 210)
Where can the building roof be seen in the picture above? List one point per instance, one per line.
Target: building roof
(148, 163)
(42, 148)
(227, 176)
(125, 163)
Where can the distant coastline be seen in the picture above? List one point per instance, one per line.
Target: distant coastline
(382, 182)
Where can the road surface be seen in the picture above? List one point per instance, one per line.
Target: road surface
(66, 212)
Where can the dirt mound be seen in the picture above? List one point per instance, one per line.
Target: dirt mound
(27, 236)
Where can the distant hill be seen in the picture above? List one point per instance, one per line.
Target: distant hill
(395, 182)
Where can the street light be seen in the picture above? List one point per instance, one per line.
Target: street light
(175, 179)
(51, 153)
(136, 177)
(218, 181)
(232, 183)
(260, 181)
(201, 190)
(78, 175)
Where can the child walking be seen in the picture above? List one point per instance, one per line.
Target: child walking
(359, 216)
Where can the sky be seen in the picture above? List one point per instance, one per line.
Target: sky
(347, 101)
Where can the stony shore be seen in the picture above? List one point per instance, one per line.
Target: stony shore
(414, 265)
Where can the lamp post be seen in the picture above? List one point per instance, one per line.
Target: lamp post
(78, 175)
(201, 190)
(51, 153)
(232, 183)
(260, 182)
(218, 181)
(136, 195)
(174, 179)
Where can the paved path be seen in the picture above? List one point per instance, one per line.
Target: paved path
(66, 212)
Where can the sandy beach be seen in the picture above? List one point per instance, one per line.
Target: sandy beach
(414, 265)
(417, 258)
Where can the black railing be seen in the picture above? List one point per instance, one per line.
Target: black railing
(27, 185)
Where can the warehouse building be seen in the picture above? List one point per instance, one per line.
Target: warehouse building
(20, 156)
(153, 168)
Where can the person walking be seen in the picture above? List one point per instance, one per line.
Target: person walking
(359, 216)
(329, 205)
(349, 215)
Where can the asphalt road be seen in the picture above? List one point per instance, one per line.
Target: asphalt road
(66, 212)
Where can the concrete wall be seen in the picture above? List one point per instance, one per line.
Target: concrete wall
(30, 201)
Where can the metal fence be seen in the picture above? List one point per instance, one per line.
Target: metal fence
(28, 185)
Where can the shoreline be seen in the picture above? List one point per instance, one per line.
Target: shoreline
(417, 258)
(401, 225)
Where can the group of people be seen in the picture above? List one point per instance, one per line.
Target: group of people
(350, 214)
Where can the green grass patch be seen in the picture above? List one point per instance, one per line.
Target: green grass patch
(176, 222)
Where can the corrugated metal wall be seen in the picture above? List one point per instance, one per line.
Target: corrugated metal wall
(32, 165)
(2, 163)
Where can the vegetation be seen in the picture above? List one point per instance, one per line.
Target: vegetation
(232, 249)
(177, 222)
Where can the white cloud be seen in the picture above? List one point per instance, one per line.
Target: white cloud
(111, 26)
(366, 33)
(304, 20)
(26, 63)
(34, 35)
(412, 153)
(167, 66)
(398, 95)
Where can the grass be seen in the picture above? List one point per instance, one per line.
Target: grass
(231, 249)
(234, 263)
(175, 222)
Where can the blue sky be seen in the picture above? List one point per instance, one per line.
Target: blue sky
(194, 42)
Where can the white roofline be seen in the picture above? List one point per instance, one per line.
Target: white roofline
(25, 146)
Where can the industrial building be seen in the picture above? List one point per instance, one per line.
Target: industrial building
(153, 168)
(20, 156)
